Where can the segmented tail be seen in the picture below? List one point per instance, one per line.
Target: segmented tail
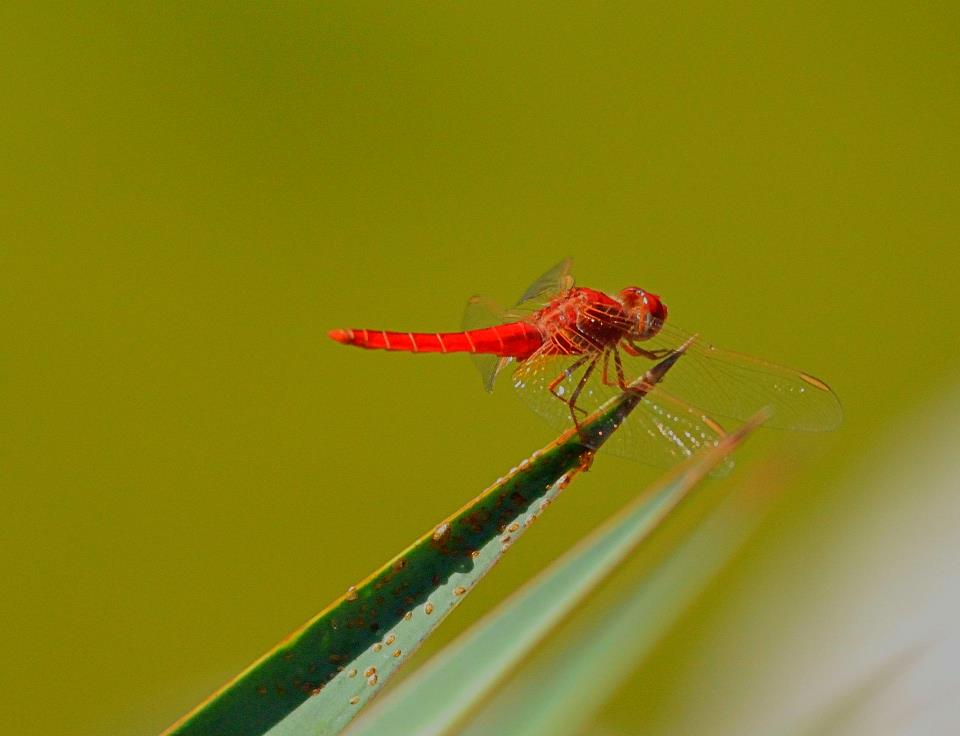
(515, 340)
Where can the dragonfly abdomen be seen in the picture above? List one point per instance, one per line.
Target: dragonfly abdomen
(517, 340)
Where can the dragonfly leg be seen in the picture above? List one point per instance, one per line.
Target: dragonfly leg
(576, 392)
(635, 350)
(621, 378)
(568, 371)
(606, 366)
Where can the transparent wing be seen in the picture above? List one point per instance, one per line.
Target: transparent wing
(723, 383)
(553, 283)
(660, 431)
(482, 312)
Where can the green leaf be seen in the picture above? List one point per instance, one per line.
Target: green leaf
(319, 678)
(558, 692)
(440, 695)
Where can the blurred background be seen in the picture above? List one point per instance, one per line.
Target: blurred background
(192, 195)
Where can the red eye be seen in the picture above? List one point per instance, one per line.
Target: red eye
(649, 305)
(655, 308)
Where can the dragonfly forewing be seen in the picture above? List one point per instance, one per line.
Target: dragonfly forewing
(725, 384)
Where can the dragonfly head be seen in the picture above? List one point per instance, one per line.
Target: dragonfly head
(647, 311)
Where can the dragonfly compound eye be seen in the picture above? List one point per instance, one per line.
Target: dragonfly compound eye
(649, 310)
(655, 307)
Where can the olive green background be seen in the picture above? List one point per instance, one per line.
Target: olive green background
(191, 195)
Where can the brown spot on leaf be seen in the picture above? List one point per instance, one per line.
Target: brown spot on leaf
(477, 520)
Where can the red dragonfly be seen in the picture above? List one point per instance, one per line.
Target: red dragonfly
(574, 348)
